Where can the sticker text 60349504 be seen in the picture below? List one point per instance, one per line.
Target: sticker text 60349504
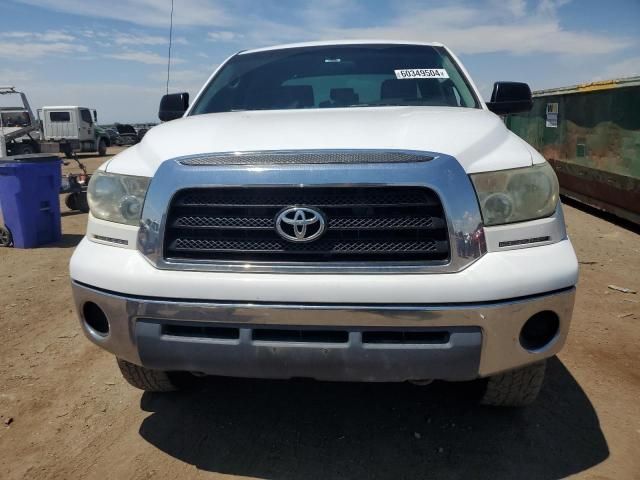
(421, 73)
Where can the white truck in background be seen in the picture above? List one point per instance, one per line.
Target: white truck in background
(66, 129)
(74, 128)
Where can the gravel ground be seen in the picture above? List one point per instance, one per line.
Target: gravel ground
(67, 413)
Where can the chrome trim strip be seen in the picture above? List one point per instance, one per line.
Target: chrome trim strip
(525, 241)
(443, 174)
(117, 241)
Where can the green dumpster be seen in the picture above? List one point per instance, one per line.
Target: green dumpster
(591, 136)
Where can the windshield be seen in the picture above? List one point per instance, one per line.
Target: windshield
(337, 76)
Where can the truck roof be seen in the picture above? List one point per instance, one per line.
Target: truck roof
(63, 107)
(342, 42)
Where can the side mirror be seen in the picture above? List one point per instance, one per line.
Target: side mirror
(510, 97)
(173, 106)
(95, 116)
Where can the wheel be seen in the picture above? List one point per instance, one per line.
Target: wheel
(71, 201)
(102, 147)
(26, 149)
(516, 388)
(81, 202)
(6, 239)
(147, 379)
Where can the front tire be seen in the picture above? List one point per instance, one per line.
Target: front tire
(102, 148)
(81, 202)
(71, 201)
(147, 379)
(517, 388)
(27, 149)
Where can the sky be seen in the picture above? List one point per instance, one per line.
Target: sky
(112, 56)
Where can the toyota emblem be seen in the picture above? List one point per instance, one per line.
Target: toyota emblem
(300, 224)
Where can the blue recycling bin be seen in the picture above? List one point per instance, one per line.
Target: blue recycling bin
(29, 204)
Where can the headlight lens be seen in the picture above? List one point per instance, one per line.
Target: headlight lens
(516, 195)
(117, 198)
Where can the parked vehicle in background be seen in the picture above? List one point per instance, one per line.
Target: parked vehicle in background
(68, 129)
(590, 134)
(18, 126)
(114, 137)
(73, 129)
(141, 133)
(127, 134)
(340, 211)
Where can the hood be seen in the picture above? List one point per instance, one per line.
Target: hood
(477, 138)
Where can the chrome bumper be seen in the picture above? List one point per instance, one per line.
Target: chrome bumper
(467, 340)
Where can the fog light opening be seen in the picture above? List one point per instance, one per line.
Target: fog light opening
(539, 330)
(95, 318)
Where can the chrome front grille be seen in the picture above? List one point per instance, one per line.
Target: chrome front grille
(364, 224)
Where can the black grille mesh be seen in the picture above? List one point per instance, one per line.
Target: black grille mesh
(322, 245)
(318, 197)
(224, 222)
(304, 158)
(363, 224)
(381, 223)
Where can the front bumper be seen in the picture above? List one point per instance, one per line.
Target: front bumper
(353, 342)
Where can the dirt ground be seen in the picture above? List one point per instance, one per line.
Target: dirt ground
(67, 413)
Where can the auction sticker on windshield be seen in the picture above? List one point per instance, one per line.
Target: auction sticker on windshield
(421, 73)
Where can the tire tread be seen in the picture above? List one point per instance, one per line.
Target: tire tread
(517, 388)
(145, 378)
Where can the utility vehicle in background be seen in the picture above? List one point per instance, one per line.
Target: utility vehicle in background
(18, 127)
(74, 129)
(127, 134)
(65, 129)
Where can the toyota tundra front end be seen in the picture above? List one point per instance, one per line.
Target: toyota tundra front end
(339, 211)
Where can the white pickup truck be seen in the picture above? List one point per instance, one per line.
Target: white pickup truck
(334, 210)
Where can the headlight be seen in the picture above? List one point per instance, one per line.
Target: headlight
(516, 195)
(117, 198)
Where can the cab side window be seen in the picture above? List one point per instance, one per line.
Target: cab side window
(60, 116)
